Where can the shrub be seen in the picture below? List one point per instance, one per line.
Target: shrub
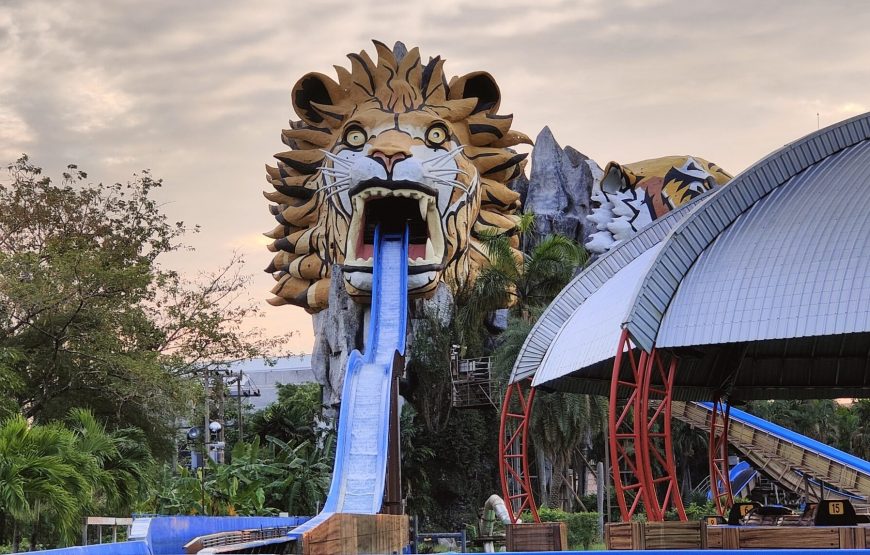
(582, 527)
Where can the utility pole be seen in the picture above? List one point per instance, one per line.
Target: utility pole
(207, 417)
(239, 399)
(219, 455)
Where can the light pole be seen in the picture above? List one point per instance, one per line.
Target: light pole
(194, 434)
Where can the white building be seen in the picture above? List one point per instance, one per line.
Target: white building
(260, 379)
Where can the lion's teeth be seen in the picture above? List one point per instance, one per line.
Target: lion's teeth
(424, 207)
(430, 250)
(419, 260)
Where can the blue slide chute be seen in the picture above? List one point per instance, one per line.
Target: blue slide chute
(364, 418)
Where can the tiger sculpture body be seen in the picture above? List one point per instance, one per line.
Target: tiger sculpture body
(628, 197)
(391, 144)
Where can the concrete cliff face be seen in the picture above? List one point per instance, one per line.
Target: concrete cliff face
(338, 330)
(341, 328)
(559, 190)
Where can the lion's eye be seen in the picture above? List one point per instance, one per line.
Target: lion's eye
(355, 137)
(436, 135)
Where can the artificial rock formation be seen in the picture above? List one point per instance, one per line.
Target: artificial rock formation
(337, 331)
(559, 189)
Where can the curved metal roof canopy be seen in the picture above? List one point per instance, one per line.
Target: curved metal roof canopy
(763, 287)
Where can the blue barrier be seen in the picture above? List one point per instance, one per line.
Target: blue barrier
(167, 534)
(123, 548)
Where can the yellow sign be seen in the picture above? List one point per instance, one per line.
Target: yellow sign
(836, 508)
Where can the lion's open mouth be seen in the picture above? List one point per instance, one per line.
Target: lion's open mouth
(393, 206)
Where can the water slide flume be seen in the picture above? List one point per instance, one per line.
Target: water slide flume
(364, 418)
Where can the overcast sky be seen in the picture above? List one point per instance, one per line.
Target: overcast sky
(199, 91)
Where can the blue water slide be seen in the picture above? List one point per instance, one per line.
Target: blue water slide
(740, 476)
(364, 418)
(797, 439)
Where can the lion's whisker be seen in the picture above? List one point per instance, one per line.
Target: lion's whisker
(452, 183)
(333, 171)
(337, 159)
(338, 183)
(437, 171)
(450, 154)
(333, 193)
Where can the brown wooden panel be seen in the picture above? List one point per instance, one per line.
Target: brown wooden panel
(714, 537)
(347, 533)
(544, 536)
(672, 535)
(618, 536)
(768, 537)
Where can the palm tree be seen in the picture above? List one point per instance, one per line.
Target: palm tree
(38, 479)
(562, 424)
(117, 464)
(525, 280)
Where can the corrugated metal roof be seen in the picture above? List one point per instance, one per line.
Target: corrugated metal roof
(699, 229)
(586, 283)
(591, 333)
(794, 264)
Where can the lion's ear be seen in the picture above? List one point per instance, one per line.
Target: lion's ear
(314, 99)
(479, 85)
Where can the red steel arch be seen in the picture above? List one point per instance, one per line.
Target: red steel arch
(513, 441)
(641, 444)
(720, 480)
(626, 454)
(656, 436)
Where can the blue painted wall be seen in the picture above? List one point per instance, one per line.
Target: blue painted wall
(168, 534)
(125, 548)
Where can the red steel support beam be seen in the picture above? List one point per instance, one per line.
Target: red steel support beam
(627, 456)
(513, 441)
(720, 481)
(656, 436)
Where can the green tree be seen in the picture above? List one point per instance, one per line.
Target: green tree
(305, 475)
(88, 316)
(561, 423)
(524, 280)
(293, 417)
(118, 464)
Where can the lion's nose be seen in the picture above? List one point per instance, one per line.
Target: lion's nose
(388, 160)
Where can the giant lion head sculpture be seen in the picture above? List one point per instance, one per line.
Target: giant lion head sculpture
(391, 143)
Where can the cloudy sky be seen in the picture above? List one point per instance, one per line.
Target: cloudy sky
(199, 91)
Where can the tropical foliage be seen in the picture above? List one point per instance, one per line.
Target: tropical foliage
(257, 480)
(52, 475)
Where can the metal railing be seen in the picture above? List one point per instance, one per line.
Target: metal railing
(473, 385)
